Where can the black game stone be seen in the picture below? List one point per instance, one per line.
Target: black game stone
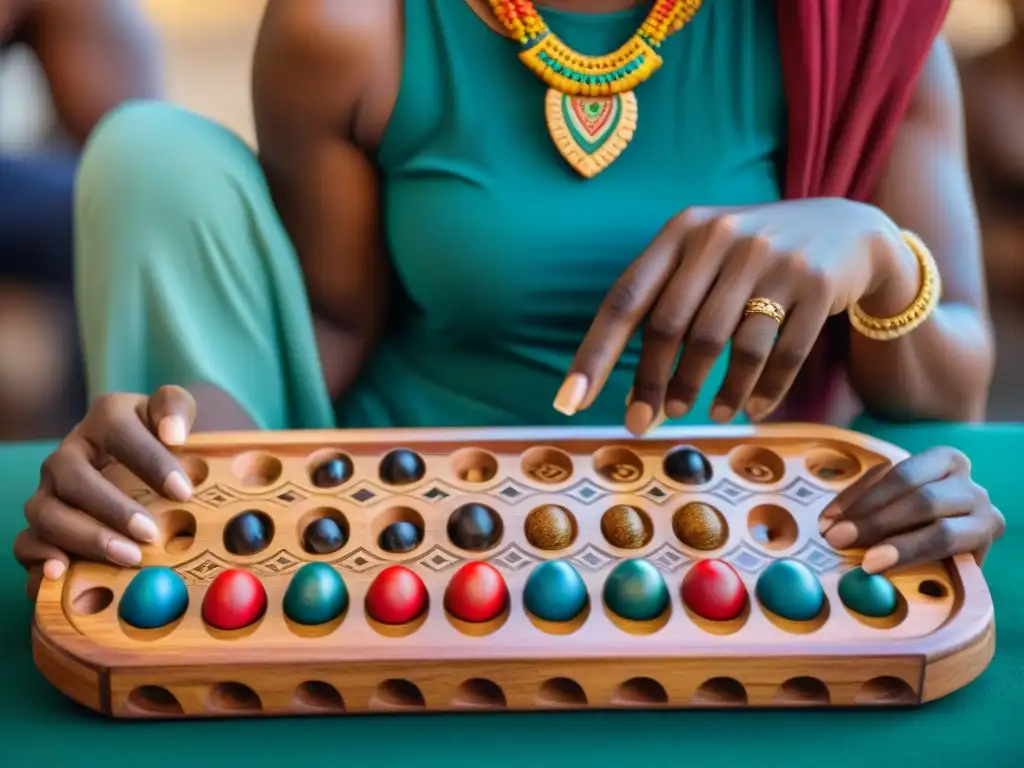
(688, 466)
(474, 527)
(401, 467)
(333, 472)
(248, 533)
(323, 536)
(400, 537)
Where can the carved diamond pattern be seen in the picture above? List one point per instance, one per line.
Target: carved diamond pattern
(747, 559)
(202, 567)
(513, 558)
(365, 494)
(288, 495)
(592, 558)
(359, 561)
(438, 559)
(730, 492)
(657, 492)
(585, 492)
(215, 496)
(668, 558)
(276, 565)
(435, 492)
(818, 558)
(803, 492)
(512, 492)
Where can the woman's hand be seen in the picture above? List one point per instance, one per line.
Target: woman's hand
(690, 287)
(924, 509)
(76, 511)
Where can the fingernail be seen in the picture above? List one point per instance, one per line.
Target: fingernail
(757, 407)
(173, 430)
(639, 417)
(53, 569)
(880, 558)
(178, 487)
(141, 528)
(721, 413)
(124, 552)
(829, 517)
(842, 535)
(676, 409)
(573, 390)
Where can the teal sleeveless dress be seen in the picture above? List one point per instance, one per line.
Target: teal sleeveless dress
(503, 252)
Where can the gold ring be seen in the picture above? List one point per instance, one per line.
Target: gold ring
(763, 306)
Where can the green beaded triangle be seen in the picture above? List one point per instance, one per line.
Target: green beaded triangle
(591, 132)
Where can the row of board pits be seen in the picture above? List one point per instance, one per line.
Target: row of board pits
(543, 465)
(318, 697)
(476, 527)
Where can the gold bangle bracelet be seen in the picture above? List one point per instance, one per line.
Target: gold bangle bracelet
(888, 328)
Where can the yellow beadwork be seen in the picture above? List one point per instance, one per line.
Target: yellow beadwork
(633, 63)
(590, 107)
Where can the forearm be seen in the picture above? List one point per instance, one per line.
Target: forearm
(941, 371)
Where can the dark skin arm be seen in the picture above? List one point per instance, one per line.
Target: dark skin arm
(943, 369)
(95, 54)
(314, 60)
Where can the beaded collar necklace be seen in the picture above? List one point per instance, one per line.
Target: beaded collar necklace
(590, 107)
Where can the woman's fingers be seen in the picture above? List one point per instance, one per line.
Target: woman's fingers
(930, 503)
(31, 552)
(935, 541)
(70, 475)
(621, 313)
(76, 533)
(793, 346)
(40, 559)
(667, 324)
(171, 412)
(860, 501)
(715, 323)
(116, 426)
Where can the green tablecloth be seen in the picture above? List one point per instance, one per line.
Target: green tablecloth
(982, 724)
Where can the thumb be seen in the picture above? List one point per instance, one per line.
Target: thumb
(171, 412)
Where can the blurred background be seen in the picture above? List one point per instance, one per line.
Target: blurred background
(206, 47)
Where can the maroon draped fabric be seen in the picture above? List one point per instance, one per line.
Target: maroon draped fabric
(850, 68)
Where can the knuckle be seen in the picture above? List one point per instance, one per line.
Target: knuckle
(623, 299)
(31, 510)
(665, 324)
(726, 225)
(747, 355)
(981, 495)
(928, 501)
(706, 343)
(999, 524)
(817, 282)
(647, 391)
(791, 357)
(959, 460)
(945, 537)
(689, 218)
(685, 390)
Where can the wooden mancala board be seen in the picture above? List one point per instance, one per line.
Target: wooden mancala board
(468, 569)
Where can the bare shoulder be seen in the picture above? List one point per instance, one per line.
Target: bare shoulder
(319, 56)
